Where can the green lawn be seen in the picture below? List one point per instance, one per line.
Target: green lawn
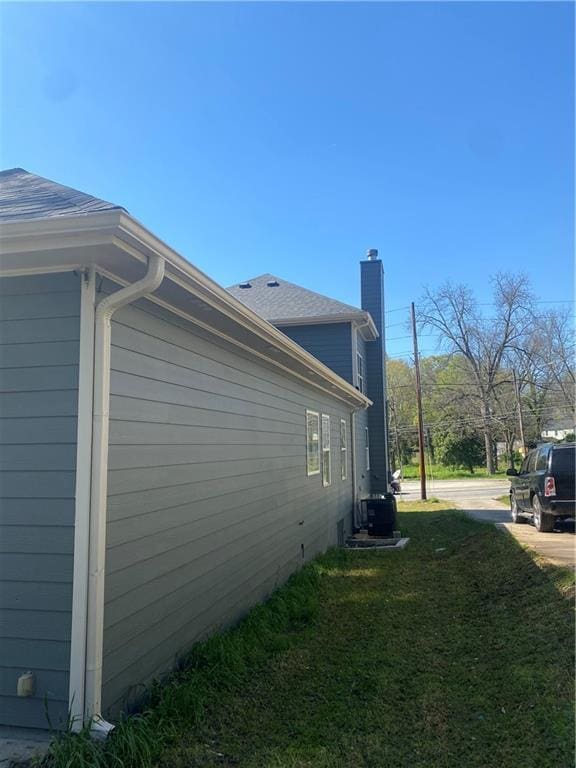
(439, 472)
(453, 653)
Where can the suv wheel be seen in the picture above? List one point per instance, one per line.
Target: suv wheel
(515, 512)
(542, 520)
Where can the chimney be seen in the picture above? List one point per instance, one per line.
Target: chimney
(372, 301)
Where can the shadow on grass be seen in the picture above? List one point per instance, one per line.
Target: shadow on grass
(456, 651)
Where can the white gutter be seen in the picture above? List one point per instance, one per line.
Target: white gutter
(366, 322)
(23, 246)
(354, 472)
(99, 485)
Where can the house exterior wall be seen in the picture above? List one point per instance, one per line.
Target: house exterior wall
(336, 345)
(39, 353)
(331, 343)
(209, 504)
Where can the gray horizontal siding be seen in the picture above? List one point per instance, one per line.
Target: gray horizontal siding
(39, 352)
(331, 343)
(209, 504)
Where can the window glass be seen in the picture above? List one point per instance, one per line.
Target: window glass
(312, 443)
(524, 467)
(343, 450)
(564, 459)
(326, 459)
(360, 372)
(542, 458)
(531, 461)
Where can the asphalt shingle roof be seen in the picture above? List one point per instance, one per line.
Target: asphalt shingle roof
(562, 423)
(287, 301)
(24, 195)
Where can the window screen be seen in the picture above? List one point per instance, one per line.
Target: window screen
(312, 443)
(343, 450)
(326, 459)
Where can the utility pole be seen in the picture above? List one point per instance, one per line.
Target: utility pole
(419, 404)
(520, 415)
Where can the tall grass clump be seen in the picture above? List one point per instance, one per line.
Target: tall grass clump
(220, 665)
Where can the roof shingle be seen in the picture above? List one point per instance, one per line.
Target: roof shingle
(24, 195)
(287, 301)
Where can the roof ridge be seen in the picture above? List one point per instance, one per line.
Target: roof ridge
(8, 171)
(28, 195)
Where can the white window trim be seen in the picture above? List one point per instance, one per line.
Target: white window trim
(367, 448)
(309, 472)
(360, 372)
(343, 450)
(326, 462)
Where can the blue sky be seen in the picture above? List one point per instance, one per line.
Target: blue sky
(289, 138)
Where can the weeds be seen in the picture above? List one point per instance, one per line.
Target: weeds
(210, 670)
(366, 660)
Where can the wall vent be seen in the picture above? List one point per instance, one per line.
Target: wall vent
(245, 285)
(272, 283)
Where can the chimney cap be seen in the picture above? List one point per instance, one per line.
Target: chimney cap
(372, 254)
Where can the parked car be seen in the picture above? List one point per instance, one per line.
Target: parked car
(544, 489)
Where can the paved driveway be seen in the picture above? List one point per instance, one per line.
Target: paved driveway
(478, 499)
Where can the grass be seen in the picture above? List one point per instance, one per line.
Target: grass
(439, 472)
(505, 499)
(456, 651)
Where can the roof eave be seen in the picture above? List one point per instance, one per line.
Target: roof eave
(362, 320)
(23, 241)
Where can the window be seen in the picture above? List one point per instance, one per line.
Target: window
(343, 450)
(367, 448)
(563, 460)
(312, 443)
(326, 468)
(360, 371)
(531, 461)
(542, 460)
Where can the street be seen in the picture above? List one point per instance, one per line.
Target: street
(479, 499)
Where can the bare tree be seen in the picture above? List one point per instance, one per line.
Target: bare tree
(553, 351)
(545, 362)
(481, 340)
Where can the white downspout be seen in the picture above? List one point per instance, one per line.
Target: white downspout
(355, 515)
(99, 486)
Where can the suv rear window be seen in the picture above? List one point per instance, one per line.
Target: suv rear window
(563, 459)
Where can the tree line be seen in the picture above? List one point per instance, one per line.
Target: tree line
(488, 356)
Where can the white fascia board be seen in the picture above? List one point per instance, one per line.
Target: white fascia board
(29, 235)
(219, 298)
(361, 320)
(65, 235)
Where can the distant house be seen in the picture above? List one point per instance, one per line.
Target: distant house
(558, 429)
(168, 457)
(347, 339)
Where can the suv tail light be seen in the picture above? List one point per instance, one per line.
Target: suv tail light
(549, 487)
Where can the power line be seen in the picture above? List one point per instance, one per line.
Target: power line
(395, 325)
(398, 309)
(478, 421)
(420, 335)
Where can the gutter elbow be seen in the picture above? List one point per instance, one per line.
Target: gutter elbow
(147, 284)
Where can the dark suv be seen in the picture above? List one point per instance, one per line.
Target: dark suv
(544, 488)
